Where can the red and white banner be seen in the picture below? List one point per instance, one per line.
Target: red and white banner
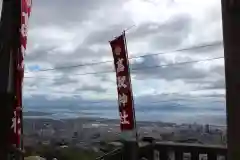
(17, 119)
(25, 13)
(124, 87)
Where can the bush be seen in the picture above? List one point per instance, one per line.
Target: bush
(65, 153)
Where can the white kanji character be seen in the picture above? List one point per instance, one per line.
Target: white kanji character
(124, 117)
(117, 50)
(24, 26)
(23, 51)
(121, 81)
(14, 126)
(19, 121)
(29, 3)
(120, 66)
(123, 99)
(19, 131)
(24, 30)
(21, 66)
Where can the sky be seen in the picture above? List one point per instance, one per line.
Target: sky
(65, 33)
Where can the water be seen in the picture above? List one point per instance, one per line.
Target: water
(165, 113)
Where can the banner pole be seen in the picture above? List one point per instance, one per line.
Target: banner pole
(133, 107)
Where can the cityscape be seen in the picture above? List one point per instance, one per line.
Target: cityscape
(96, 135)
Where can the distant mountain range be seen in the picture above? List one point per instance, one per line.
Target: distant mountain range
(33, 113)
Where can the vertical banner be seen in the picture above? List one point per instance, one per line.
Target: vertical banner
(25, 13)
(124, 88)
(19, 71)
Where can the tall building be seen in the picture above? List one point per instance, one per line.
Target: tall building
(207, 128)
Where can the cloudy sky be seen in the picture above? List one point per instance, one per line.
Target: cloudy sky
(65, 33)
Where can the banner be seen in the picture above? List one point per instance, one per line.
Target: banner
(26, 10)
(19, 68)
(124, 88)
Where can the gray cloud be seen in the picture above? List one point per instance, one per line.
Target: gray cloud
(62, 12)
(219, 84)
(168, 34)
(104, 36)
(219, 69)
(64, 80)
(202, 79)
(173, 33)
(98, 89)
(174, 72)
(214, 48)
(40, 54)
(80, 57)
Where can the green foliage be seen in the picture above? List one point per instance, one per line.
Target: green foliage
(65, 153)
(29, 151)
(75, 154)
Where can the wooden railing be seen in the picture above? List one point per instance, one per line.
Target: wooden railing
(170, 151)
(182, 151)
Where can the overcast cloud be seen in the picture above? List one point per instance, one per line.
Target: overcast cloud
(63, 33)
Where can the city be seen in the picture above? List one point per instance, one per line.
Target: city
(96, 135)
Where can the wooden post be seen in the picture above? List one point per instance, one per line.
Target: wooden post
(9, 31)
(231, 36)
(130, 150)
(5, 96)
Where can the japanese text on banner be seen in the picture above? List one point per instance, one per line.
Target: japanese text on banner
(125, 98)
